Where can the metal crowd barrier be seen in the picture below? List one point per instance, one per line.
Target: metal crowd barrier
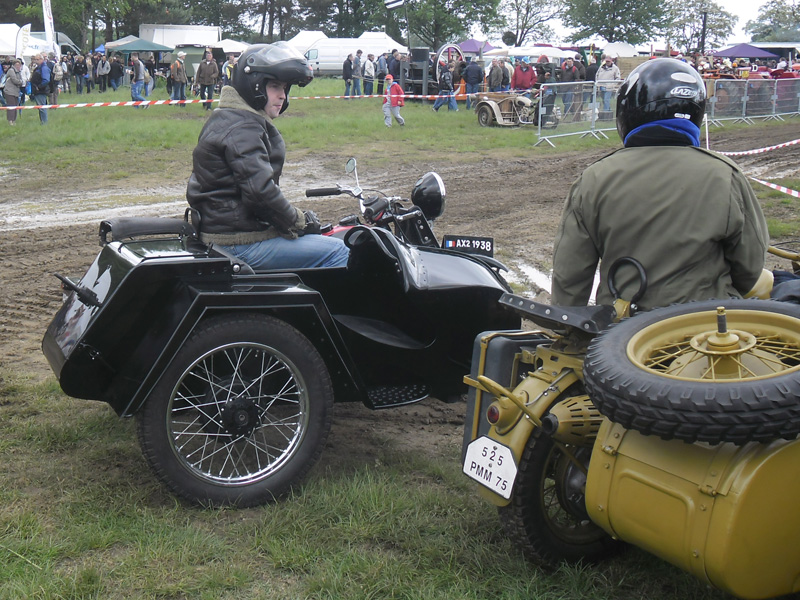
(743, 100)
(589, 108)
(581, 108)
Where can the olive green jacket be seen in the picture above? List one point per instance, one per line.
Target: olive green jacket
(687, 214)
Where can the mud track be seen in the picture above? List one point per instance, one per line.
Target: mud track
(516, 201)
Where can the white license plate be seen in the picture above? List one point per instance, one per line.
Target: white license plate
(491, 464)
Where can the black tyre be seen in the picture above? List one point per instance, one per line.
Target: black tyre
(485, 116)
(240, 415)
(547, 515)
(670, 372)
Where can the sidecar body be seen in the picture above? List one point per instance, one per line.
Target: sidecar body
(393, 327)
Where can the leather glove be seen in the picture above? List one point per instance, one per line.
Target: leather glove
(312, 223)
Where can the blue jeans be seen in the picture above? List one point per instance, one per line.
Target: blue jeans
(179, 91)
(346, 88)
(307, 252)
(607, 95)
(367, 88)
(472, 88)
(40, 100)
(356, 87)
(136, 91)
(446, 97)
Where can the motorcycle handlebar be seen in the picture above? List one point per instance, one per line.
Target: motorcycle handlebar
(334, 191)
(376, 208)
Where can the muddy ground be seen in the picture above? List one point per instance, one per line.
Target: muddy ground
(516, 201)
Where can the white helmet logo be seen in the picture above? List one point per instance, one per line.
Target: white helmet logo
(683, 92)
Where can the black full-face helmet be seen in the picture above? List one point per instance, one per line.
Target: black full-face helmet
(663, 88)
(261, 63)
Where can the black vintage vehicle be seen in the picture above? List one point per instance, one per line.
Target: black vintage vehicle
(232, 374)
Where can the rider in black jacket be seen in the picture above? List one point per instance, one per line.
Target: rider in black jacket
(237, 166)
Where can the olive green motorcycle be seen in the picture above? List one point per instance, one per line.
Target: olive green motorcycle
(672, 430)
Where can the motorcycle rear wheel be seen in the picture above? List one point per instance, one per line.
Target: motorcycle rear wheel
(547, 516)
(664, 373)
(241, 414)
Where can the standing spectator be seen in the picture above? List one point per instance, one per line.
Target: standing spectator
(179, 79)
(606, 74)
(13, 88)
(91, 69)
(103, 71)
(56, 75)
(357, 74)
(473, 77)
(381, 70)
(369, 74)
(66, 68)
(116, 73)
(495, 76)
(524, 77)
(394, 65)
(347, 74)
(446, 90)
(508, 71)
(79, 69)
(392, 102)
(40, 85)
(580, 66)
(227, 70)
(206, 77)
(150, 78)
(591, 75)
(569, 74)
(137, 79)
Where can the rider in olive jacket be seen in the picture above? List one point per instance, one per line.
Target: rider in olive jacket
(688, 215)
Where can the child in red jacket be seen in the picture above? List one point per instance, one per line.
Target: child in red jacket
(392, 102)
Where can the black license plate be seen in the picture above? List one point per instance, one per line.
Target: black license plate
(469, 243)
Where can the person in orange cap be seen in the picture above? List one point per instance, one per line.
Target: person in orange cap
(392, 102)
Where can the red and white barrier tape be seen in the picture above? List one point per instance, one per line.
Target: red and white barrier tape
(780, 188)
(155, 102)
(760, 150)
(97, 104)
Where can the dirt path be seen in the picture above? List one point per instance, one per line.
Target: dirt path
(517, 201)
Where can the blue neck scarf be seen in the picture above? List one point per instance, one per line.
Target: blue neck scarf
(683, 127)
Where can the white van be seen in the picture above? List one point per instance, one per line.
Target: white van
(326, 56)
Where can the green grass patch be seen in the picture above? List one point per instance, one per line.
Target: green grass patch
(82, 517)
(780, 209)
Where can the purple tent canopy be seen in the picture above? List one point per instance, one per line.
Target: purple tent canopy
(474, 46)
(745, 51)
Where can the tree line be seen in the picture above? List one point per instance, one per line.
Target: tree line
(430, 22)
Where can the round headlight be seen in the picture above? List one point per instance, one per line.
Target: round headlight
(429, 195)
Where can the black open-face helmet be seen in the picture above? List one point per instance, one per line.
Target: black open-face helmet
(429, 194)
(261, 63)
(662, 88)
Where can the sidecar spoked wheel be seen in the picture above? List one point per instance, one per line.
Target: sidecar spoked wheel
(485, 116)
(240, 415)
(668, 372)
(547, 516)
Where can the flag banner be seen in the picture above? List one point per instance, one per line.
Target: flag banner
(23, 40)
(392, 4)
(49, 28)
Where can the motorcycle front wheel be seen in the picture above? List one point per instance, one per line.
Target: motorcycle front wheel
(241, 414)
(547, 515)
(713, 371)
